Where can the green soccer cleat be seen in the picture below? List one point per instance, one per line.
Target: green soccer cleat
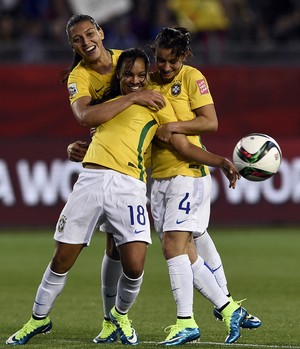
(185, 330)
(108, 334)
(233, 315)
(29, 330)
(126, 332)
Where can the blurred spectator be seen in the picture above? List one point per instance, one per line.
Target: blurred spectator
(33, 29)
(8, 28)
(242, 21)
(32, 44)
(277, 20)
(200, 15)
(33, 14)
(9, 15)
(119, 35)
(34, 9)
(140, 19)
(206, 18)
(58, 14)
(164, 17)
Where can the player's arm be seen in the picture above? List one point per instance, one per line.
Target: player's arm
(93, 115)
(205, 121)
(197, 154)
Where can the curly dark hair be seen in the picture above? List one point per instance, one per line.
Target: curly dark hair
(178, 39)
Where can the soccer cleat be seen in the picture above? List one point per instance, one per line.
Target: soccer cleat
(125, 331)
(185, 330)
(250, 322)
(233, 315)
(108, 334)
(29, 330)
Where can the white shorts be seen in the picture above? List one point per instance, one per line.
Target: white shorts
(105, 195)
(181, 204)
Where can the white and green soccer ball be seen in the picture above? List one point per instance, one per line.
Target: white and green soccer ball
(257, 157)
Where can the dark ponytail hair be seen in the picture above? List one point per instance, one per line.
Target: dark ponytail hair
(178, 39)
(76, 57)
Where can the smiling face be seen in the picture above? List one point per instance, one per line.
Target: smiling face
(133, 76)
(86, 40)
(168, 63)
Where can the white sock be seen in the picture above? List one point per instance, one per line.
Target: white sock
(207, 250)
(51, 286)
(181, 277)
(111, 270)
(128, 290)
(205, 283)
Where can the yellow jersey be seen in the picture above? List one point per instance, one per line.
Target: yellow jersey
(84, 81)
(121, 143)
(188, 91)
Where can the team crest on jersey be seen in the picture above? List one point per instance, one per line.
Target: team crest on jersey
(176, 88)
(72, 89)
(61, 223)
(203, 88)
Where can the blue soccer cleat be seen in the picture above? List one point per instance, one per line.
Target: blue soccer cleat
(250, 322)
(233, 315)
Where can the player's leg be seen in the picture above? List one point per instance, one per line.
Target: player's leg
(165, 200)
(174, 245)
(111, 270)
(133, 259)
(208, 251)
(206, 284)
(187, 207)
(204, 279)
(52, 284)
(129, 216)
(74, 230)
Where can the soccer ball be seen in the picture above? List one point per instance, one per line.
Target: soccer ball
(257, 157)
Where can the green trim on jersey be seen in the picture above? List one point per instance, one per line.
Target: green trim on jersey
(140, 158)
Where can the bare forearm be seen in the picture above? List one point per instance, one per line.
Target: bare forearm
(204, 157)
(95, 115)
(201, 156)
(196, 126)
(205, 121)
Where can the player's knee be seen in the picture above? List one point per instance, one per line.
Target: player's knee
(61, 263)
(134, 272)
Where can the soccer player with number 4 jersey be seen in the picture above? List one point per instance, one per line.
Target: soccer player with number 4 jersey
(180, 195)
